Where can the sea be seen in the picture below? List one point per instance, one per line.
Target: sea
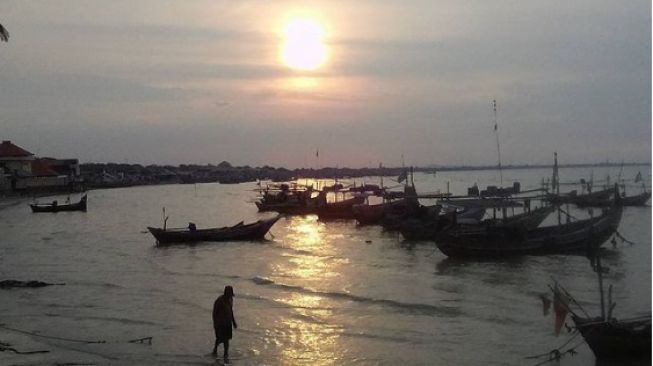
(312, 293)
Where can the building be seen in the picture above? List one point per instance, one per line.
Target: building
(21, 171)
(15, 163)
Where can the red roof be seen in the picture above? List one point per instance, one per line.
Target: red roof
(40, 168)
(9, 150)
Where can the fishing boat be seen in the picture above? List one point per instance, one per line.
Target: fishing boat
(428, 228)
(636, 200)
(432, 219)
(609, 338)
(483, 241)
(338, 210)
(240, 231)
(616, 339)
(292, 201)
(526, 220)
(367, 214)
(587, 199)
(54, 206)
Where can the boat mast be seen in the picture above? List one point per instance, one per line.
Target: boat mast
(599, 271)
(496, 133)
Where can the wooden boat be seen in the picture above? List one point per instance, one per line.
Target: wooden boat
(505, 241)
(240, 231)
(291, 201)
(637, 200)
(339, 210)
(616, 339)
(426, 225)
(527, 220)
(54, 206)
(373, 214)
(587, 199)
(609, 338)
(427, 229)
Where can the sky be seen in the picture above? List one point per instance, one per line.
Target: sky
(175, 82)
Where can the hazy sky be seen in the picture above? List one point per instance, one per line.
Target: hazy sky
(203, 81)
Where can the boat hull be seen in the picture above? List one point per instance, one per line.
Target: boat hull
(253, 231)
(79, 206)
(617, 340)
(580, 237)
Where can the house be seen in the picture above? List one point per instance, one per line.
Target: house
(15, 163)
(21, 171)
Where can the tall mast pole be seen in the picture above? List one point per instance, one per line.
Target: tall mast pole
(496, 133)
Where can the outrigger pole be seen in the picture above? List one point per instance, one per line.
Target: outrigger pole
(496, 133)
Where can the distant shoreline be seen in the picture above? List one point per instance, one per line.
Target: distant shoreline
(535, 166)
(112, 175)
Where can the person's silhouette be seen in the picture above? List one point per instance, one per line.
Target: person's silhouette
(223, 318)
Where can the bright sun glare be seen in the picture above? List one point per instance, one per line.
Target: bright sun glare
(303, 48)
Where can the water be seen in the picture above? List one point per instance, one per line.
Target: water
(316, 293)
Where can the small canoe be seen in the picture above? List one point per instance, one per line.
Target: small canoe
(240, 231)
(55, 207)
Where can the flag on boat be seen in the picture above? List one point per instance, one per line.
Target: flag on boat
(403, 176)
(560, 307)
(638, 178)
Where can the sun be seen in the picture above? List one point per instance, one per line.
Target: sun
(303, 47)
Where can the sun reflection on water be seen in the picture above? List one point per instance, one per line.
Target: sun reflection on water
(306, 233)
(309, 333)
(311, 338)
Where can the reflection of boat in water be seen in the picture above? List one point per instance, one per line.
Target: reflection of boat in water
(240, 231)
(55, 207)
(501, 241)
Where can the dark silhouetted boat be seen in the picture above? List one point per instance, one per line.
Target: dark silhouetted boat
(338, 210)
(617, 339)
(587, 199)
(483, 241)
(428, 227)
(54, 206)
(291, 200)
(609, 338)
(636, 200)
(367, 214)
(240, 231)
(526, 220)
(429, 220)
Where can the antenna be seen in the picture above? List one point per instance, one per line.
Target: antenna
(496, 133)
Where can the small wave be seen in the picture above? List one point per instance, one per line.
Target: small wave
(414, 308)
(262, 280)
(114, 319)
(379, 337)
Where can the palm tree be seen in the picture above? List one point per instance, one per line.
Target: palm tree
(4, 34)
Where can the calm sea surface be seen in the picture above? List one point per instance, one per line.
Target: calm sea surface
(315, 293)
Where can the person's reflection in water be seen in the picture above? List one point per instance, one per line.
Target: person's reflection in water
(223, 317)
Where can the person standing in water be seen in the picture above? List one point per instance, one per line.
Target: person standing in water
(223, 318)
